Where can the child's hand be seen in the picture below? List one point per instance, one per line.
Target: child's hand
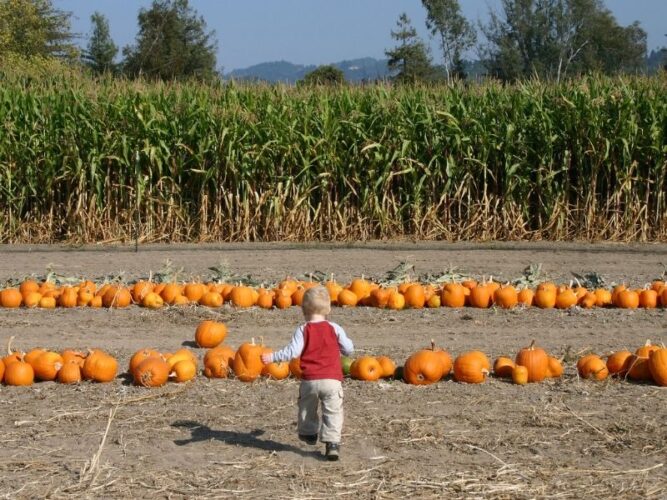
(266, 358)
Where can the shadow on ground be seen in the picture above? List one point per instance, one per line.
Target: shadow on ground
(201, 432)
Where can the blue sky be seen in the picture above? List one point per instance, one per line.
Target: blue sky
(318, 31)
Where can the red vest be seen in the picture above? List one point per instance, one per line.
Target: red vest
(320, 358)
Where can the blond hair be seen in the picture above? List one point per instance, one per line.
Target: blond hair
(316, 300)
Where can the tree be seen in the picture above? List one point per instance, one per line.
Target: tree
(324, 75)
(557, 38)
(445, 20)
(172, 43)
(101, 49)
(409, 61)
(35, 28)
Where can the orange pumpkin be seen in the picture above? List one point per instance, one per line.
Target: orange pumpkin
(657, 364)
(506, 297)
(414, 297)
(99, 367)
(184, 371)
(194, 291)
(70, 373)
(32, 355)
(181, 355)
(11, 298)
(545, 297)
(47, 365)
(387, 365)
(554, 368)
(396, 301)
(564, 300)
(426, 366)
(276, 371)
(535, 360)
(648, 299)
(627, 299)
(503, 366)
(265, 301)
(361, 288)
(211, 299)
(480, 297)
(210, 334)
(73, 356)
(638, 368)
(28, 286)
(283, 300)
(19, 373)
(295, 368)
(618, 363)
(218, 361)
(471, 367)
(519, 375)
(242, 297)
(593, 368)
(140, 356)
(366, 368)
(152, 300)
(31, 299)
(247, 363)
(347, 298)
(453, 295)
(140, 290)
(602, 297)
(151, 372)
(526, 297)
(68, 298)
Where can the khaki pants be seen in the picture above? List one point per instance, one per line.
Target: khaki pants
(330, 394)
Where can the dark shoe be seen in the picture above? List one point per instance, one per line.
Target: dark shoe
(332, 452)
(308, 439)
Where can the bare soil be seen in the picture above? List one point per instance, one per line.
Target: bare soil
(221, 438)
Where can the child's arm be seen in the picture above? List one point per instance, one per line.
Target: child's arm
(289, 352)
(344, 342)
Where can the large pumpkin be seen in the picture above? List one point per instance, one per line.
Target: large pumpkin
(247, 363)
(151, 372)
(242, 296)
(535, 360)
(70, 373)
(218, 361)
(19, 373)
(471, 367)
(657, 363)
(210, 334)
(506, 297)
(453, 295)
(424, 367)
(366, 368)
(414, 296)
(100, 367)
(47, 365)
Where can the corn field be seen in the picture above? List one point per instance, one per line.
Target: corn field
(85, 160)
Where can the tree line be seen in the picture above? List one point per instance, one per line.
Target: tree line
(548, 39)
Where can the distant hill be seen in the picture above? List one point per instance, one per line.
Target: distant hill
(355, 70)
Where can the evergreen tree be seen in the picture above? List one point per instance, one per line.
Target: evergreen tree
(101, 49)
(558, 38)
(35, 28)
(409, 62)
(172, 43)
(445, 20)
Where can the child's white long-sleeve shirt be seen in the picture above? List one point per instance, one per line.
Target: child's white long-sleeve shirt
(295, 347)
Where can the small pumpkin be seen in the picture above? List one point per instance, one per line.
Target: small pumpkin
(152, 300)
(276, 371)
(242, 297)
(519, 375)
(593, 368)
(387, 365)
(627, 299)
(396, 301)
(211, 299)
(194, 291)
(347, 298)
(545, 296)
(295, 368)
(554, 367)
(75, 356)
(181, 355)
(480, 297)
(414, 297)
(618, 363)
(525, 297)
(638, 368)
(503, 366)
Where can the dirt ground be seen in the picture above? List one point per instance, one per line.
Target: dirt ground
(568, 438)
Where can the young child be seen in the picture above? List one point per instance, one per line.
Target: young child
(319, 343)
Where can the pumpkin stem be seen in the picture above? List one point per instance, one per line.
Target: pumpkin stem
(432, 344)
(9, 345)
(252, 340)
(532, 345)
